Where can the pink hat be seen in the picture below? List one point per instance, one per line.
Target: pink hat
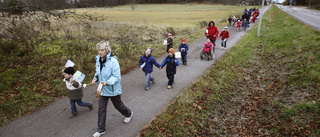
(169, 34)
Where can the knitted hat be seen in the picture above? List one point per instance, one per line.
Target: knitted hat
(226, 27)
(69, 70)
(169, 34)
(183, 40)
(171, 50)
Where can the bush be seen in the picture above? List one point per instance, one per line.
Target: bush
(16, 7)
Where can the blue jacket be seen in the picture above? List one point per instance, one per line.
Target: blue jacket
(148, 68)
(171, 64)
(186, 49)
(110, 73)
(244, 24)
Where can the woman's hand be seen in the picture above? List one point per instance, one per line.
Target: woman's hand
(140, 69)
(93, 81)
(104, 83)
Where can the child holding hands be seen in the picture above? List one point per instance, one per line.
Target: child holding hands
(172, 64)
(146, 64)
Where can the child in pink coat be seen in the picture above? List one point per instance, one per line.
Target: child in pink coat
(207, 47)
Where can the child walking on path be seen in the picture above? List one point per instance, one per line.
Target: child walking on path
(244, 24)
(224, 37)
(169, 42)
(239, 24)
(146, 64)
(172, 64)
(75, 92)
(183, 48)
(229, 20)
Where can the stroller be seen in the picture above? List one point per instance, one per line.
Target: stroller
(206, 52)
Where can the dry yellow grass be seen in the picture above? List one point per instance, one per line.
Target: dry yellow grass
(173, 15)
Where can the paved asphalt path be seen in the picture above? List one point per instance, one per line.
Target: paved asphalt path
(52, 121)
(306, 16)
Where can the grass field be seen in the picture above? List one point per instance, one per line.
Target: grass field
(263, 86)
(173, 15)
(30, 79)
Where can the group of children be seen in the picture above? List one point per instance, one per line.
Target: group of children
(147, 61)
(238, 23)
(247, 18)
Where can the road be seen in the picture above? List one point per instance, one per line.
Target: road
(52, 121)
(306, 16)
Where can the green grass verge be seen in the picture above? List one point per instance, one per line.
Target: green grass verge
(263, 86)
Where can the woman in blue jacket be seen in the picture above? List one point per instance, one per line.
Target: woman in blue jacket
(146, 64)
(108, 74)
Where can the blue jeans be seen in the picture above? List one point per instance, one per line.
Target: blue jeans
(80, 103)
(148, 79)
(223, 43)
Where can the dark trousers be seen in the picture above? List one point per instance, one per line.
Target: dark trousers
(102, 112)
(184, 58)
(213, 42)
(171, 78)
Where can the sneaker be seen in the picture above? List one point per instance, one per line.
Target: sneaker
(169, 87)
(147, 89)
(128, 119)
(90, 107)
(71, 116)
(221, 47)
(224, 48)
(152, 81)
(97, 134)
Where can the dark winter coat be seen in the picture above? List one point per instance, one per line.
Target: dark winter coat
(244, 16)
(170, 43)
(171, 64)
(186, 47)
(150, 61)
(244, 24)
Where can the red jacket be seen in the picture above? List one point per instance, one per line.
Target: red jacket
(256, 13)
(224, 34)
(212, 32)
(239, 24)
